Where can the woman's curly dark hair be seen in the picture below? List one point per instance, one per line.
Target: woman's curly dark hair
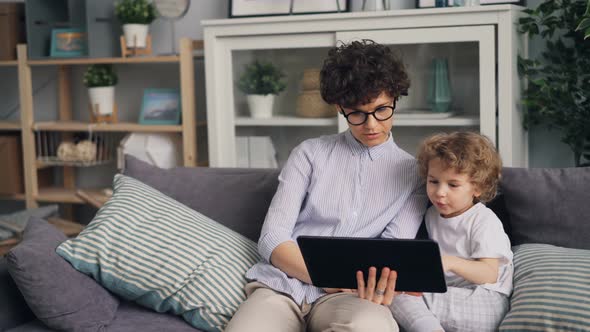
(358, 72)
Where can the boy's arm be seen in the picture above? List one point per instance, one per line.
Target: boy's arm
(479, 271)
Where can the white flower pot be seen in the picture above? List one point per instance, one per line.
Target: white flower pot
(102, 100)
(261, 105)
(135, 35)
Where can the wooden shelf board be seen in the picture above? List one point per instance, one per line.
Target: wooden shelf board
(89, 61)
(286, 121)
(63, 195)
(69, 228)
(7, 63)
(15, 197)
(113, 127)
(9, 125)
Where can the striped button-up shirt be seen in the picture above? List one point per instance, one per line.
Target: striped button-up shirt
(336, 186)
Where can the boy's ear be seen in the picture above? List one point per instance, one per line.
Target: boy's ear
(477, 192)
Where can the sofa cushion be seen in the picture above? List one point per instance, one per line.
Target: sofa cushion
(237, 198)
(551, 289)
(150, 249)
(14, 310)
(548, 205)
(60, 296)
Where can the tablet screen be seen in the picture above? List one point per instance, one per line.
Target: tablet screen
(332, 262)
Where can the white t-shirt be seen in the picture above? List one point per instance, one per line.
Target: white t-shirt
(476, 233)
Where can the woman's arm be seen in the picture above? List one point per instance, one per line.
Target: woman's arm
(287, 257)
(479, 271)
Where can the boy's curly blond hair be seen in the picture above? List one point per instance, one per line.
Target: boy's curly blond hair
(467, 153)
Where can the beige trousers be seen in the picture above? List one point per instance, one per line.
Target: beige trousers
(266, 310)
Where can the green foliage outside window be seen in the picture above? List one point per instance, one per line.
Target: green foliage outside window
(558, 81)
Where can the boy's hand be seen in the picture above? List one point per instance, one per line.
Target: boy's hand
(448, 262)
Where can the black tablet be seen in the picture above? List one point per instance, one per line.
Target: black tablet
(332, 262)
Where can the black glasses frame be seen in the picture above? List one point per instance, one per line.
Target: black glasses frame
(366, 114)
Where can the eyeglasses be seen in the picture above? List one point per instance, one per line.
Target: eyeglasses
(357, 118)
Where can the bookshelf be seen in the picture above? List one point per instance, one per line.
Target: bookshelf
(66, 124)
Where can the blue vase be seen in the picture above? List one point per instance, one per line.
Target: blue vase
(439, 90)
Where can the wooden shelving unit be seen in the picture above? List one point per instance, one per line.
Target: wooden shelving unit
(9, 126)
(90, 61)
(105, 127)
(64, 195)
(7, 63)
(68, 193)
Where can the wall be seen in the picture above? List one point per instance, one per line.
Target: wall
(545, 148)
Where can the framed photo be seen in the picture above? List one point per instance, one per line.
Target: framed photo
(70, 42)
(160, 106)
(251, 8)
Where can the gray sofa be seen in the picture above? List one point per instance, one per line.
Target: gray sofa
(239, 199)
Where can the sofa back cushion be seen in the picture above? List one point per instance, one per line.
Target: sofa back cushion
(550, 206)
(235, 197)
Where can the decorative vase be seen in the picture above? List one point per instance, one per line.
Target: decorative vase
(135, 35)
(439, 90)
(102, 100)
(260, 105)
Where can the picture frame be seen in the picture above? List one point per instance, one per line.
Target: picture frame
(160, 107)
(255, 8)
(68, 42)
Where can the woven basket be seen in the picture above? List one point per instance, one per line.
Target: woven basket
(311, 105)
(311, 79)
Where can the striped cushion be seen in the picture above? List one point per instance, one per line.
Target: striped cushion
(151, 249)
(551, 289)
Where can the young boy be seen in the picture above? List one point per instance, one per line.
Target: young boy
(462, 170)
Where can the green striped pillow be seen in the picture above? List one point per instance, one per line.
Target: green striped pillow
(148, 248)
(551, 289)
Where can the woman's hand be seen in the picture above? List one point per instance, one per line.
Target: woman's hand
(378, 292)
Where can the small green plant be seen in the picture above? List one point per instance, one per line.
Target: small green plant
(135, 12)
(558, 81)
(262, 78)
(100, 75)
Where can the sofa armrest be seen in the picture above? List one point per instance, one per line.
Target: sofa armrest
(14, 310)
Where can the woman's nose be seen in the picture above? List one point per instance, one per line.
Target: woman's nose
(371, 121)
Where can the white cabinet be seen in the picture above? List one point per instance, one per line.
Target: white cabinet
(479, 43)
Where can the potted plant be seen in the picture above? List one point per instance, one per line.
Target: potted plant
(261, 81)
(100, 79)
(135, 15)
(558, 81)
